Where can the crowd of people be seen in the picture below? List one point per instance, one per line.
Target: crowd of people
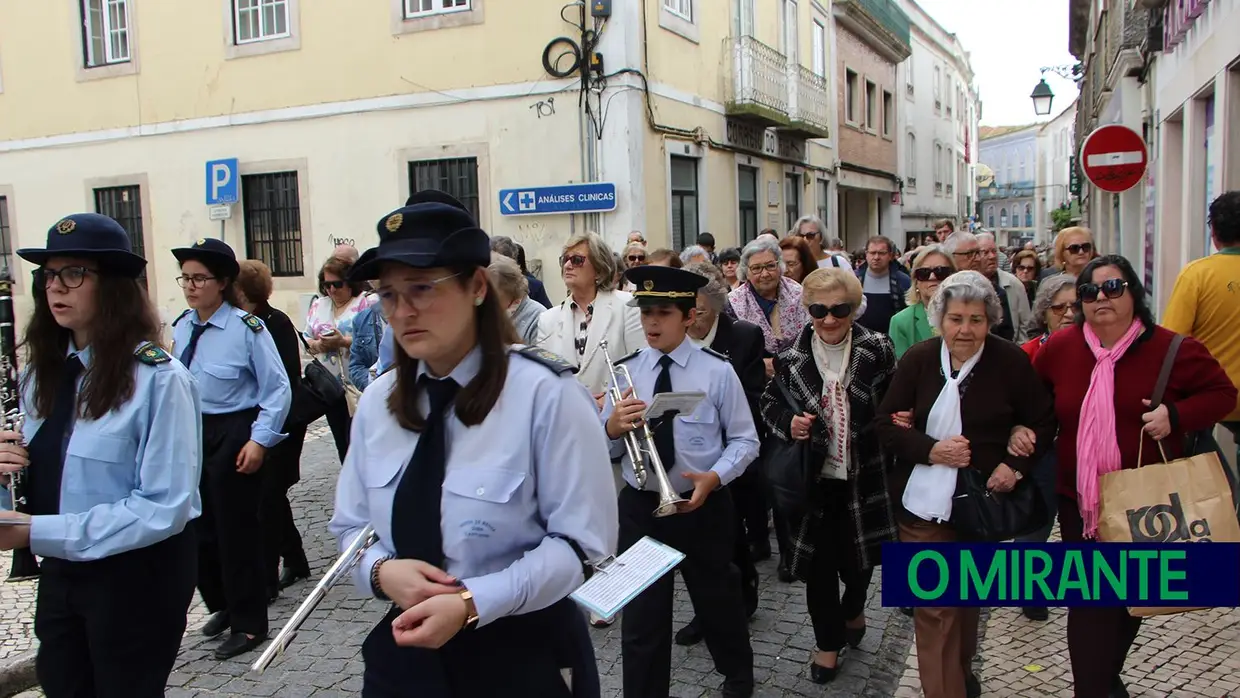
(487, 438)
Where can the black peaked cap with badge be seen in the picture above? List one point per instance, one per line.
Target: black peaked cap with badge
(435, 230)
(90, 236)
(657, 285)
(213, 252)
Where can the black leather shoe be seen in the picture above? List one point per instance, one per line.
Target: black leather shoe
(238, 643)
(1118, 689)
(907, 610)
(853, 636)
(760, 550)
(826, 674)
(1036, 612)
(216, 624)
(972, 687)
(691, 634)
(737, 689)
(291, 575)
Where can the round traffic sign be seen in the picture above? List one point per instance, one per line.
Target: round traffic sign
(1114, 158)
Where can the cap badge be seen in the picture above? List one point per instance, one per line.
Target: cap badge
(201, 242)
(66, 226)
(394, 222)
(649, 285)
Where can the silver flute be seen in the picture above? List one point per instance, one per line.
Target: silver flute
(343, 567)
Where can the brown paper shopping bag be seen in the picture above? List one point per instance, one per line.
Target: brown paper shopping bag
(1183, 501)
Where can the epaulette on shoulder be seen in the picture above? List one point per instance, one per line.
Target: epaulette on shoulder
(252, 322)
(152, 354)
(552, 361)
(717, 355)
(628, 357)
(182, 316)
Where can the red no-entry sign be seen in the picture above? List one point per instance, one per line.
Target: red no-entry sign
(1114, 158)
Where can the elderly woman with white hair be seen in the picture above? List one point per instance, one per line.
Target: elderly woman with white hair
(694, 254)
(513, 291)
(767, 298)
(967, 390)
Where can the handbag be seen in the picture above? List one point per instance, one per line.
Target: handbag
(320, 389)
(791, 469)
(979, 514)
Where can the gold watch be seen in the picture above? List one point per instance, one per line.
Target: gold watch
(471, 611)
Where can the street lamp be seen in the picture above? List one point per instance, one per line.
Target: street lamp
(1042, 95)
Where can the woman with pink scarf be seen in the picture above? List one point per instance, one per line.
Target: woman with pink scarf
(1102, 371)
(768, 299)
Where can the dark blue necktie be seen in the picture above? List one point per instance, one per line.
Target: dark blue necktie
(416, 532)
(664, 441)
(47, 448)
(195, 335)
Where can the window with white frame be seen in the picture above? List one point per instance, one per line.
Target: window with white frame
(938, 97)
(889, 113)
(792, 42)
(744, 17)
(423, 8)
(938, 168)
(681, 8)
(949, 164)
(260, 20)
(850, 96)
(819, 47)
(910, 160)
(908, 76)
(105, 32)
(871, 105)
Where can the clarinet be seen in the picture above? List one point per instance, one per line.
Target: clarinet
(25, 566)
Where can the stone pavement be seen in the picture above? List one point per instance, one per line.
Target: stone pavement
(1196, 654)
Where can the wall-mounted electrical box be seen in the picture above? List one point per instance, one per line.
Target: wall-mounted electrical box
(600, 8)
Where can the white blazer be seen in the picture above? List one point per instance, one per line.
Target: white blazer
(613, 320)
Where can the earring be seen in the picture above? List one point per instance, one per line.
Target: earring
(477, 302)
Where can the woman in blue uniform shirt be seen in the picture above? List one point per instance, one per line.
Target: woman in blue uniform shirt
(245, 397)
(109, 510)
(485, 531)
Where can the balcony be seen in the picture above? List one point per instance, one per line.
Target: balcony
(755, 82)
(880, 22)
(809, 108)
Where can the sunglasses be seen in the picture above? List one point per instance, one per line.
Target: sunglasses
(810, 235)
(1111, 288)
(574, 261)
(335, 284)
(1060, 308)
(1085, 247)
(924, 273)
(818, 311)
(637, 258)
(1026, 267)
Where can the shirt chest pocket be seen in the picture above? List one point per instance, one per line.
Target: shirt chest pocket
(220, 381)
(479, 503)
(100, 464)
(699, 430)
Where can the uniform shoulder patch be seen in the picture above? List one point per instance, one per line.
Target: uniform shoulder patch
(717, 355)
(628, 357)
(182, 316)
(252, 322)
(152, 354)
(552, 361)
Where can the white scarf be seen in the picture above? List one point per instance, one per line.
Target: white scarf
(834, 405)
(930, 488)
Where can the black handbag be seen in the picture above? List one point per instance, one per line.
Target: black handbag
(791, 468)
(319, 390)
(979, 514)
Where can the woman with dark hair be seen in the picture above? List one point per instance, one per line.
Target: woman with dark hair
(477, 561)
(283, 467)
(798, 259)
(1102, 371)
(246, 396)
(729, 262)
(329, 332)
(108, 512)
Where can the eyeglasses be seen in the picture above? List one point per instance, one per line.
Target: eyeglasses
(1111, 288)
(574, 261)
(970, 254)
(335, 284)
(818, 311)
(70, 277)
(810, 235)
(924, 273)
(989, 252)
(195, 281)
(419, 296)
(1026, 267)
(764, 268)
(1085, 247)
(637, 258)
(1060, 308)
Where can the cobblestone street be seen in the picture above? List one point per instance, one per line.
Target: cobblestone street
(1195, 654)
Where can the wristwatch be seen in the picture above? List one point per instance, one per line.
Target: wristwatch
(471, 611)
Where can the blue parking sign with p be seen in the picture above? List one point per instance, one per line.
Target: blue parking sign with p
(222, 181)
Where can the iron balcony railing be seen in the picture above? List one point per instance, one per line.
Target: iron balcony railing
(810, 107)
(755, 79)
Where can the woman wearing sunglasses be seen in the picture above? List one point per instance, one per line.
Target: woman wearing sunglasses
(1102, 371)
(912, 325)
(329, 334)
(838, 373)
(1074, 247)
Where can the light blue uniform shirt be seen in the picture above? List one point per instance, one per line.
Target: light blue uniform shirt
(699, 436)
(238, 368)
(537, 465)
(386, 350)
(131, 477)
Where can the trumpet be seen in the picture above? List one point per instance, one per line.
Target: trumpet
(639, 443)
(350, 558)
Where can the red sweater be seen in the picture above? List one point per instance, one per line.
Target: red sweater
(1198, 394)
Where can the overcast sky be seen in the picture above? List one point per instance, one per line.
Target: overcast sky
(1009, 41)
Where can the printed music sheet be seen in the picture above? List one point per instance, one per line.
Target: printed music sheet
(619, 581)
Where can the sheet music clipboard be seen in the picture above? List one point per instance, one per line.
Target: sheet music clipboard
(619, 580)
(682, 403)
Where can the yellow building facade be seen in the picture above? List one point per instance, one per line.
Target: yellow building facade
(708, 116)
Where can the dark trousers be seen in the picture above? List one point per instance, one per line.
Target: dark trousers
(834, 562)
(521, 655)
(340, 421)
(783, 529)
(280, 536)
(230, 535)
(111, 628)
(1098, 638)
(752, 507)
(1044, 477)
(714, 587)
